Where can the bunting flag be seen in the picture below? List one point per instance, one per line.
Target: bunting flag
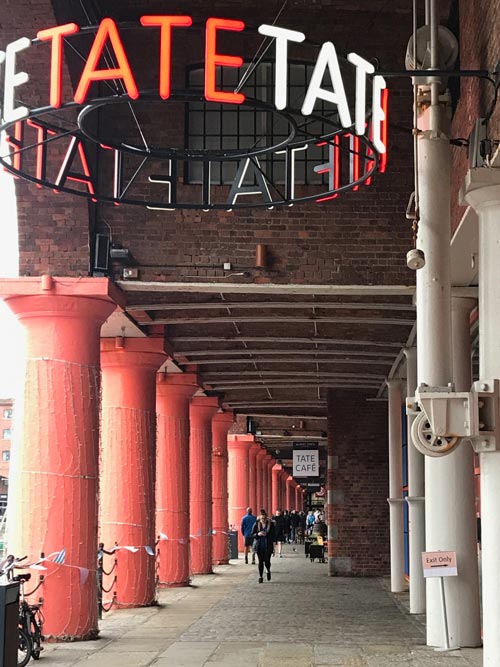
(149, 550)
(163, 536)
(84, 575)
(60, 557)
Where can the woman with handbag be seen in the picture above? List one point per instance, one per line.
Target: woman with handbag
(263, 544)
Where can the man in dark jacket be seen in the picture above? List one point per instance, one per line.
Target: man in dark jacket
(247, 524)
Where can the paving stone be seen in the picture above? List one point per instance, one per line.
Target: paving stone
(301, 618)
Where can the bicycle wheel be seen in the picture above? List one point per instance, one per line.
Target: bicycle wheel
(24, 648)
(36, 647)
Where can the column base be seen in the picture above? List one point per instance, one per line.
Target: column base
(181, 584)
(127, 605)
(205, 572)
(58, 639)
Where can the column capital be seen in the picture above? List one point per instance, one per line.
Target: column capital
(393, 384)
(262, 453)
(481, 188)
(145, 353)
(178, 382)
(248, 439)
(465, 303)
(97, 288)
(410, 353)
(223, 418)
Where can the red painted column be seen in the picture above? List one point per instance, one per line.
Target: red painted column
(276, 491)
(54, 466)
(284, 496)
(298, 499)
(127, 476)
(238, 453)
(201, 411)
(290, 493)
(221, 423)
(252, 476)
(269, 491)
(173, 394)
(260, 465)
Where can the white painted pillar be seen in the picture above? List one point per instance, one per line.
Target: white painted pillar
(395, 499)
(463, 591)
(415, 498)
(482, 191)
(434, 348)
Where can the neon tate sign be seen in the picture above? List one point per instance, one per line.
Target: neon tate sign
(359, 131)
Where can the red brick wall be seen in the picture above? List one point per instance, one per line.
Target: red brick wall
(479, 49)
(357, 437)
(53, 229)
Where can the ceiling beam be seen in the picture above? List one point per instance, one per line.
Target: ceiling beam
(278, 384)
(270, 288)
(276, 305)
(289, 360)
(278, 339)
(266, 288)
(301, 353)
(290, 374)
(302, 319)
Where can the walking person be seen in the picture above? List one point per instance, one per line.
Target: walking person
(247, 524)
(279, 530)
(264, 536)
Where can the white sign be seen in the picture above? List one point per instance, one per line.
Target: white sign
(305, 463)
(439, 563)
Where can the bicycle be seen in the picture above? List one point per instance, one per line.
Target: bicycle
(30, 616)
(30, 621)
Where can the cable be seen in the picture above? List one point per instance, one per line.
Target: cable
(254, 63)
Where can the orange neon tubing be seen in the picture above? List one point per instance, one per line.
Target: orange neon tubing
(107, 30)
(166, 23)
(212, 59)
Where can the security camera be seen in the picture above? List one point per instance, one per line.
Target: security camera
(415, 259)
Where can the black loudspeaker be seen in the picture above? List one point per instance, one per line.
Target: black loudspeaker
(101, 254)
(251, 426)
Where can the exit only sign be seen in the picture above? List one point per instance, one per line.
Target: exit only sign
(439, 563)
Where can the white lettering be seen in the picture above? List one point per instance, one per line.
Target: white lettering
(14, 79)
(283, 36)
(238, 189)
(327, 59)
(363, 67)
(378, 115)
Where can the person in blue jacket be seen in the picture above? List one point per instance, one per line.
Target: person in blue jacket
(247, 524)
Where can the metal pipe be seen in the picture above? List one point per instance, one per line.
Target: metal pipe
(415, 499)
(482, 192)
(395, 499)
(434, 48)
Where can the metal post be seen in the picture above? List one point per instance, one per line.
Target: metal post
(434, 333)
(415, 499)
(482, 191)
(463, 591)
(395, 499)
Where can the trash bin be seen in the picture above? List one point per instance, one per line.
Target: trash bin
(9, 617)
(233, 544)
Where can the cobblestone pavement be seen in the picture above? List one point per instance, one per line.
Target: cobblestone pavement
(301, 618)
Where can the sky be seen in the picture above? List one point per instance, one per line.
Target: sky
(11, 333)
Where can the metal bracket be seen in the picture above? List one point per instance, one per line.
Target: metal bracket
(451, 417)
